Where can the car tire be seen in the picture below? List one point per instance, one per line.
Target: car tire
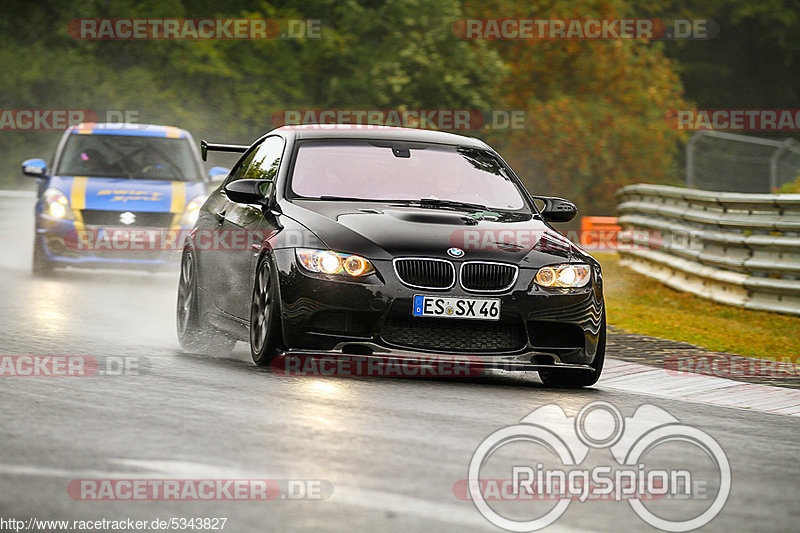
(571, 379)
(40, 266)
(265, 325)
(193, 334)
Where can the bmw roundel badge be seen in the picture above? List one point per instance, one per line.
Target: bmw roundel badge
(455, 252)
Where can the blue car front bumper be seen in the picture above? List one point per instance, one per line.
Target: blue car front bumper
(63, 244)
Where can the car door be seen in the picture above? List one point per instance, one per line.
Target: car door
(213, 259)
(244, 223)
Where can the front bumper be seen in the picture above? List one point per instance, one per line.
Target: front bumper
(61, 246)
(540, 328)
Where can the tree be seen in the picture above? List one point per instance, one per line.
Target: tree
(371, 55)
(595, 109)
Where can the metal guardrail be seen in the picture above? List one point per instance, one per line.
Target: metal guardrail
(734, 248)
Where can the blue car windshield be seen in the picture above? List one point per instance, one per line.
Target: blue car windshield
(363, 171)
(129, 156)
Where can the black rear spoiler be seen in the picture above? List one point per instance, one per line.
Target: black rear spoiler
(206, 146)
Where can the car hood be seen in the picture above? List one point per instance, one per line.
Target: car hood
(120, 194)
(383, 231)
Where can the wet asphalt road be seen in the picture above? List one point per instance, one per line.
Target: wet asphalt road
(392, 450)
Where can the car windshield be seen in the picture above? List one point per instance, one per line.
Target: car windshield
(416, 172)
(129, 156)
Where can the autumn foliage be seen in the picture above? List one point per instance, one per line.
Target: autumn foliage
(594, 109)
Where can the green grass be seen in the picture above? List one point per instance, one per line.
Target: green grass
(639, 304)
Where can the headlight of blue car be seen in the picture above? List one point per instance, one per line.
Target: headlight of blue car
(56, 204)
(193, 210)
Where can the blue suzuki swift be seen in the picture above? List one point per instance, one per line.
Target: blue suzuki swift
(117, 196)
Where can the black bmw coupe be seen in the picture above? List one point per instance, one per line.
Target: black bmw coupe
(389, 242)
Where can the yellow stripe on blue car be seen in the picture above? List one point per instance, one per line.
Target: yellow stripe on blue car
(78, 199)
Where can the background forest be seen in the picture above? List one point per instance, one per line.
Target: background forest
(594, 110)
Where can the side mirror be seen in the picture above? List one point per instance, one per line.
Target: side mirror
(218, 173)
(557, 209)
(34, 167)
(248, 191)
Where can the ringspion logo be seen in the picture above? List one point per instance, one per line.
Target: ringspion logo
(525, 467)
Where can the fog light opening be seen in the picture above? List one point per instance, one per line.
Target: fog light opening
(543, 360)
(357, 349)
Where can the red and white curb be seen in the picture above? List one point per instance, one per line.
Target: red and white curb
(698, 388)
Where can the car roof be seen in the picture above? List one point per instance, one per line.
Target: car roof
(133, 129)
(374, 132)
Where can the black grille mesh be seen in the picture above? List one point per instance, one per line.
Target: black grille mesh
(96, 217)
(441, 334)
(425, 273)
(487, 276)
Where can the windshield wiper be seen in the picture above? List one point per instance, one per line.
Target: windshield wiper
(452, 204)
(424, 202)
(330, 198)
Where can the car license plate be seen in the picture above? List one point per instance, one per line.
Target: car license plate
(474, 308)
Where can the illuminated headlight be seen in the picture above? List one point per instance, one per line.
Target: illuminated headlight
(56, 204)
(193, 210)
(329, 262)
(571, 276)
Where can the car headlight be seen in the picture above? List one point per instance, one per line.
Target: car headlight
(192, 210)
(329, 262)
(56, 204)
(571, 276)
